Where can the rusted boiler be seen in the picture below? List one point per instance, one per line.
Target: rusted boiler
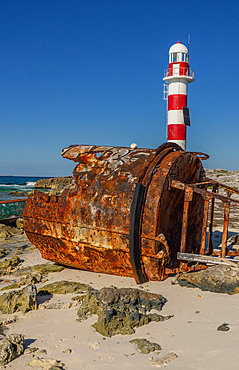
(129, 213)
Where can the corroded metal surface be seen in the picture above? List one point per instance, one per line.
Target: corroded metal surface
(129, 213)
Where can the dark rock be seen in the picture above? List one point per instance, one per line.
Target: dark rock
(19, 300)
(223, 327)
(120, 310)
(63, 287)
(11, 346)
(218, 279)
(145, 346)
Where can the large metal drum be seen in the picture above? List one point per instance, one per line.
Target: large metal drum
(122, 216)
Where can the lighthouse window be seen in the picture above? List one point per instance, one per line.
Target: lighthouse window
(185, 57)
(174, 57)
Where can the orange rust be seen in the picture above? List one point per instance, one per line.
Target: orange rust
(88, 225)
(128, 212)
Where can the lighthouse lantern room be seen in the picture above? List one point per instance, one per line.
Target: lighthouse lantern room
(177, 77)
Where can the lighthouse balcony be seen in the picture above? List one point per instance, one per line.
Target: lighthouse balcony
(179, 72)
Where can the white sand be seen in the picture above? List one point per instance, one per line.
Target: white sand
(192, 336)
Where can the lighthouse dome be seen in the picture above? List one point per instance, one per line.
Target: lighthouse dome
(178, 48)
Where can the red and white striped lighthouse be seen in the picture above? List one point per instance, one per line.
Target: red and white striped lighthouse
(177, 77)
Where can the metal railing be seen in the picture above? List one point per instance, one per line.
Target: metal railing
(178, 72)
(11, 208)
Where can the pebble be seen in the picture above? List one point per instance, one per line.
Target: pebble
(165, 360)
(46, 363)
(94, 345)
(29, 350)
(223, 327)
(68, 350)
(144, 346)
(42, 352)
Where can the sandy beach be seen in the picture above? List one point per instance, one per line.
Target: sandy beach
(191, 333)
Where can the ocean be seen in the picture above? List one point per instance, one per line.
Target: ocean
(11, 184)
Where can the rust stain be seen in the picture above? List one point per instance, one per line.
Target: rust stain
(100, 225)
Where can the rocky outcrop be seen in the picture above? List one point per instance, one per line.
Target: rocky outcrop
(120, 310)
(11, 346)
(56, 184)
(19, 300)
(218, 279)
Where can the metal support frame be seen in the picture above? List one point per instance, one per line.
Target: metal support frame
(188, 197)
(209, 198)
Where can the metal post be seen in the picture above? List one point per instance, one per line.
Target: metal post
(204, 225)
(210, 245)
(188, 196)
(225, 229)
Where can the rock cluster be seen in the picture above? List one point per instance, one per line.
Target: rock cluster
(120, 310)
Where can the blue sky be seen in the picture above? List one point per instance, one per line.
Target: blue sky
(90, 72)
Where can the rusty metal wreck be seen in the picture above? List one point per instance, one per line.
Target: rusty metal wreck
(130, 212)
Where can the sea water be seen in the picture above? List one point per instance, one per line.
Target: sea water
(9, 184)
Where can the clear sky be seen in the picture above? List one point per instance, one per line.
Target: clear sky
(90, 72)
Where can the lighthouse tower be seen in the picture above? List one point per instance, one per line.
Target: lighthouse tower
(177, 77)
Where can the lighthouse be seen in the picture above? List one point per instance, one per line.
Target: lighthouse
(177, 77)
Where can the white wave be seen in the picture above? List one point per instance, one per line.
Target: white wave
(11, 185)
(30, 183)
